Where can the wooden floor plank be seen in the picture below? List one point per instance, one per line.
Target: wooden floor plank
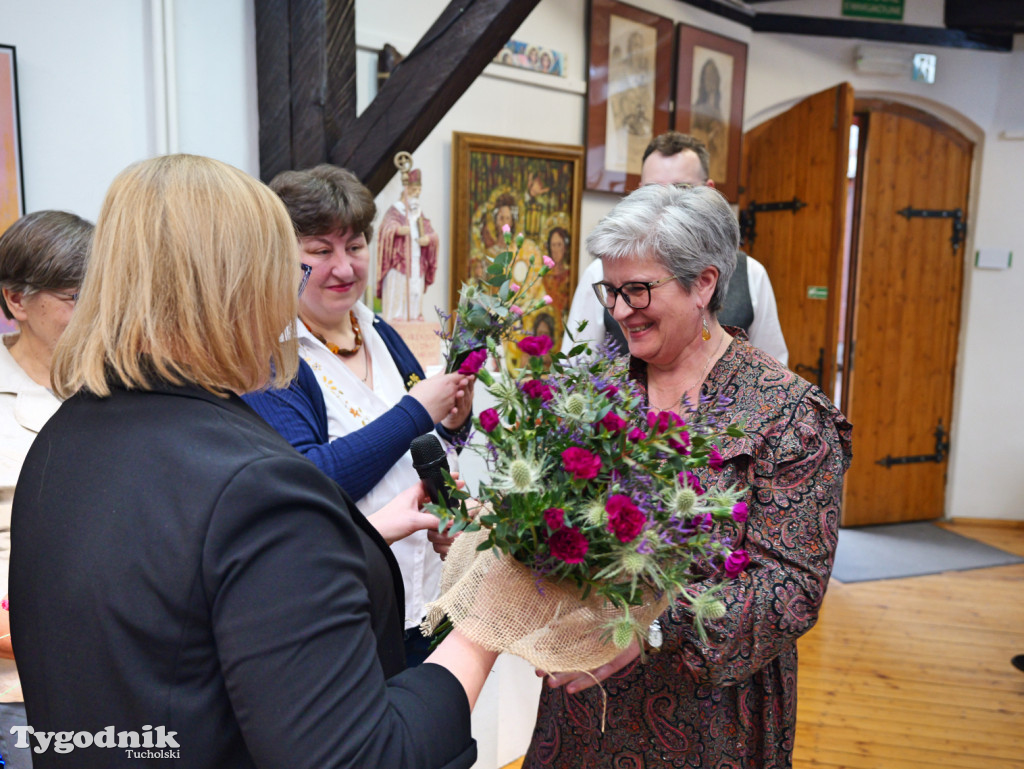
(915, 673)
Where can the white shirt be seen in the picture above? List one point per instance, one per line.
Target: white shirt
(25, 406)
(352, 404)
(764, 332)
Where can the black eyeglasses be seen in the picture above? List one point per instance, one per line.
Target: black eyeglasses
(306, 272)
(637, 294)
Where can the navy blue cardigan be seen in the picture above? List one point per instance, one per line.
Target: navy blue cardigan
(357, 461)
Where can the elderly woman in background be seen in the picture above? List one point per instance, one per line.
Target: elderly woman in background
(178, 570)
(42, 261)
(668, 254)
(363, 375)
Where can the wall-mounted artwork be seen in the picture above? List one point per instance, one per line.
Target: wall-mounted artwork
(536, 189)
(516, 53)
(12, 190)
(628, 91)
(711, 74)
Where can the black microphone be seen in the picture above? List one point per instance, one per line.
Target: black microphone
(428, 459)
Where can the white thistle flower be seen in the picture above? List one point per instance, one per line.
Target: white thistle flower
(520, 476)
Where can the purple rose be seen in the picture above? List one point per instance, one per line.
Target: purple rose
(535, 388)
(568, 545)
(554, 517)
(625, 520)
(489, 420)
(536, 345)
(581, 463)
(736, 562)
(739, 512)
(473, 361)
(613, 423)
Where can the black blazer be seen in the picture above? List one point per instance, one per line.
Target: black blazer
(176, 563)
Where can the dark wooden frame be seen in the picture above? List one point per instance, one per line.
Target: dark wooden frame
(599, 177)
(16, 185)
(689, 38)
(464, 145)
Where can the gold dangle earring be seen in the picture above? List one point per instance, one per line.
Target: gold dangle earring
(705, 332)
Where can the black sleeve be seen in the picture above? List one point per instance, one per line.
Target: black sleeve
(285, 577)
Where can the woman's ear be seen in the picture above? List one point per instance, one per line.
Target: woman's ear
(705, 284)
(15, 303)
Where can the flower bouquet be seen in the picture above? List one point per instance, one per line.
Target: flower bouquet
(592, 520)
(490, 313)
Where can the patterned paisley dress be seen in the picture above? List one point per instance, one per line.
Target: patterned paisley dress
(729, 704)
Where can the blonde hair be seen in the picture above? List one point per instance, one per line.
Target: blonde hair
(193, 277)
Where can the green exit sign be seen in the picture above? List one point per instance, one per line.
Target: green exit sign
(889, 10)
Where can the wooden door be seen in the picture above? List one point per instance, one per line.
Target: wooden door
(802, 154)
(905, 314)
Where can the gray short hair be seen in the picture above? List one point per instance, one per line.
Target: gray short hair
(685, 229)
(43, 251)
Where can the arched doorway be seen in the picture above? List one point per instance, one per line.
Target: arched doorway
(868, 268)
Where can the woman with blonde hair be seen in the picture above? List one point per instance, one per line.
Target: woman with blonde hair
(191, 580)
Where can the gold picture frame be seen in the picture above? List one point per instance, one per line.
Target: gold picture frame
(537, 188)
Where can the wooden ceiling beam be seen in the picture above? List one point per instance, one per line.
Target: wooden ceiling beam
(306, 71)
(426, 84)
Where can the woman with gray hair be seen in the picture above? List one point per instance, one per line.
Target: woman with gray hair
(42, 262)
(668, 255)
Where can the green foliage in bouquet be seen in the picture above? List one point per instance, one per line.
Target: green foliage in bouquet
(490, 312)
(586, 486)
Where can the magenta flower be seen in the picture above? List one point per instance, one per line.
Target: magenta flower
(473, 362)
(535, 388)
(636, 435)
(739, 512)
(662, 421)
(613, 423)
(715, 459)
(516, 309)
(625, 520)
(681, 443)
(536, 345)
(554, 517)
(548, 262)
(581, 463)
(736, 562)
(489, 420)
(690, 480)
(568, 545)
(610, 390)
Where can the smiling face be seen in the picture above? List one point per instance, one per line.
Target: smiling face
(340, 262)
(660, 333)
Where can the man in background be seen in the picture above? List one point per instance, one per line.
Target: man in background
(676, 158)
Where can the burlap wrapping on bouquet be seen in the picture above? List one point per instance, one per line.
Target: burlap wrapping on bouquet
(498, 604)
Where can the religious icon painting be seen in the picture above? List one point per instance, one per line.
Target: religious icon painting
(535, 189)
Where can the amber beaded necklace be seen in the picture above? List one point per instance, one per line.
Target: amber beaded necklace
(333, 347)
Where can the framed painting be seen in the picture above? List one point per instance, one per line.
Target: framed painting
(629, 91)
(711, 74)
(12, 189)
(536, 189)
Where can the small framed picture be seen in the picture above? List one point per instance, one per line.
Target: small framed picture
(12, 190)
(534, 188)
(711, 73)
(629, 91)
